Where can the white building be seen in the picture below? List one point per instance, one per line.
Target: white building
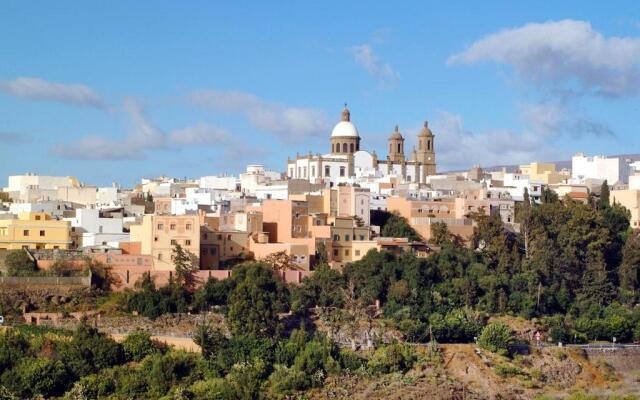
(613, 170)
(88, 229)
(219, 182)
(347, 161)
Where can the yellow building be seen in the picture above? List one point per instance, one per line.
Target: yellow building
(543, 172)
(631, 200)
(34, 230)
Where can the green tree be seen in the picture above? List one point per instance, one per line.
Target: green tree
(255, 301)
(137, 345)
(185, 266)
(397, 226)
(603, 201)
(496, 337)
(440, 234)
(629, 272)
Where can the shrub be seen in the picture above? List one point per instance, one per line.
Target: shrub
(505, 370)
(318, 357)
(211, 389)
(39, 377)
(284, 382)
(496, 337)
(350, 360)
(395, 357)
(18, 263)
(138, 345)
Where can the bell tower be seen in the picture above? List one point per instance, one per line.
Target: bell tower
(426, 152)
(396, 146)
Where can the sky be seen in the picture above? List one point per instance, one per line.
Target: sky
(115, 91)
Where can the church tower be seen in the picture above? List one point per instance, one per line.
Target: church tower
(426, 152)
(396, 146)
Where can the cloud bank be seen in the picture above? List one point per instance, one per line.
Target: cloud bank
(287, 122)
(565, 55)
(42, 90)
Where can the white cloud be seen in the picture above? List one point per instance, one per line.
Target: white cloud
(547, 118)
(40, 89)
(364, 56)
(290, 123)
(565, 55)
(201, 134)
(458, 148)
(144, 135)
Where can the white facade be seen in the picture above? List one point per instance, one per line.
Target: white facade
(54, 208)
(219, 182)
(19, 183)
(613, 170)
(87, 222)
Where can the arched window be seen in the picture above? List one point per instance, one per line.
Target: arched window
(428, 144)
(399, 148)
(351, 146)
(327, 170)
(333, 148)
(344, 147)
(358, 146)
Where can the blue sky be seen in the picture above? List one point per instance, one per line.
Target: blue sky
(112, 91)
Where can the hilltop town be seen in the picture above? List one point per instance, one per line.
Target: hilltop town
(350, 274)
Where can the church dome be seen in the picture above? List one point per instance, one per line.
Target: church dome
(345, 128)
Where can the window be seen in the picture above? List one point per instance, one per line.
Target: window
(172, 227)
(335, 252)
(346, 252)
(352, 148)
(357, 252)
(344, 147)
(160, 227)
(188, 227)
(204, 236)
(213, 251)
(346, 238)
(336, 238)
(399, 148)
(37, 218)
(291, 172)
(56, 247)
(327, 171)
(173, 242)
(313, 171)
(159, 256)
(41, 233)
(228, 237)
(219, 237)
(187, 242)
(342, 171)
(304, 173)
(25, 232)
(361, 237)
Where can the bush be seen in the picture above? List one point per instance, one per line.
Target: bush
(212, 389)
(317, 358)
(496, 337)
(505, 370)
(39, 377)
(138, 345)
(395, 357)
(285, 382)
(19, 264)
(350, 360)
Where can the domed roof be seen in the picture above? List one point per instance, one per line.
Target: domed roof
(396, 134)
(426, 131)
(345, 128)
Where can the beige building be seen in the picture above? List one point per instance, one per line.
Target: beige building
(34, 230)
(631, 200)
(422, 214)
(544, 172)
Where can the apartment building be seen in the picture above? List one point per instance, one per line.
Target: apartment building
(34, 230)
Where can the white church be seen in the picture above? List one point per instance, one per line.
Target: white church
(346, 160)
